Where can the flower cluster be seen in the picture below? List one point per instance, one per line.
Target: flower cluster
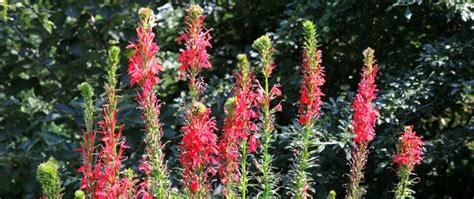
(364, 113)
(237, 127)
(363, 123)
(87, 151)
(408, 155)
(143, 66)
(198, 149)
(409, 150)
(194, 57)
(107, 171)
(248, 126)
(313, 78)
(143, 70)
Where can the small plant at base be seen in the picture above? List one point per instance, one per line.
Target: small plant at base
(409, 154)
(310, 102)
(79, 194)
(263, 97)
(363, 123)
(48, 177)
(331, 195)
(143, 70)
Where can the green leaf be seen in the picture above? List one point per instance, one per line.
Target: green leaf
(4, 9)
(48, 25)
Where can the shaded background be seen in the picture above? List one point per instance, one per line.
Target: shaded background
(426, 79)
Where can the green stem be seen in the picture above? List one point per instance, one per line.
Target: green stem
(404, 176)
(302, 165)
(243, 165)
(267, 159)
(357, 173)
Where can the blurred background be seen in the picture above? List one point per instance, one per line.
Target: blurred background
(426, 79)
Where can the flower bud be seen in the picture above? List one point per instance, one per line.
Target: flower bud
(194, 11)
(147, 17)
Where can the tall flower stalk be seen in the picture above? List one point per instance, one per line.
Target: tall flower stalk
(237, 127)
(363, 123)
(408, 155)
(107, 170)
(143, 70)
(264, 96)
(198, 147)
(310, 102)
(194, 56)
(88, 142)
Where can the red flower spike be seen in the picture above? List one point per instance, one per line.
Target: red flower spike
(313, 79)
(409, 150)
(363, 122)
(87, 151)
(143, 70)
(196, 39)
(365, 114)
(143, 64)
(198, 148)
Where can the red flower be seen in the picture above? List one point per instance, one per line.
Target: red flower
(365, 114)
(87, 151)
(253, 144)
(237, 126)
(110, 157)
(313, 79)
(198, 148)
(143, 64)
(409, 149)
(196, 39)
(194, 57)
(194, 186)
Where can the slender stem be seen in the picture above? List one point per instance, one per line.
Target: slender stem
(357, 172)
(303, 164)
(243, 165)
(267, 159)
(402, 191)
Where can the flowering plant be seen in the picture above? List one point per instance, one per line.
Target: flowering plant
(194, 56)
(102, 177)
(199, 143)
(263, 98)
(143, 69)
(236, 131)
(409, 154)
(88, 143)
(363, 124)
(247, 128)
(310, 102)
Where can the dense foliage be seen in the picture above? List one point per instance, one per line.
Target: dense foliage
(425, 78)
